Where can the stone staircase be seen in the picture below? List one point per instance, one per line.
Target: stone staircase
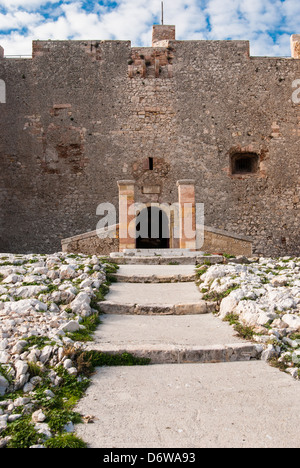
(225, 398)
(157, 312)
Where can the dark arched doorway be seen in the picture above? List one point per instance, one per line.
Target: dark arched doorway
(155, 233)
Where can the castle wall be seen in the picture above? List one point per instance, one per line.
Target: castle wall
(82, 115)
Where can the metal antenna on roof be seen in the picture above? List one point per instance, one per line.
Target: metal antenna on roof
(162, 13)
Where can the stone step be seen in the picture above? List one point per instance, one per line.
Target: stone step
(157, 252)
(162, 354)
(156, 273)
(155, 298)
(166, 258)
(201, 307)
(172, 339)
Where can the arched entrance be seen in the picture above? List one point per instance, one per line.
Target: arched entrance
(153, 225)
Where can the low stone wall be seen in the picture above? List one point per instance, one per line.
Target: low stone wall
(217, 241)
(106, 241)
(93, 243)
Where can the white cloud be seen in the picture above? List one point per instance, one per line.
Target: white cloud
(28, 5)
(267, 24)
(18, 20)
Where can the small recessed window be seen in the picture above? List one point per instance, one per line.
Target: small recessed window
(150, 164)
(244, 163)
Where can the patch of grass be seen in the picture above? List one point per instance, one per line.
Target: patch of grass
(6, 373)
(59, 418)
(22, 433)
(228, 255)
(34, 283)
(214, 296)
(110, 270)
(99, 296)
(87, 361)
(243, 331)
(281, 365)
(70, 390)
(295, 336)
(34, 370)
(65, 441)
(10, 264)
(111, 267)
(233, 319)
(90, 323)
(52, 288)
(39, 341)
(200, 272)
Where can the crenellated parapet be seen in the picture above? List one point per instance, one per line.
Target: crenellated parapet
(155, 61)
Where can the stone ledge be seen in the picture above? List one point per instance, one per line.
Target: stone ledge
(227, 234)
(184, 260)
(171, 354)
(155, 278)
(101, 233)
(201, 307)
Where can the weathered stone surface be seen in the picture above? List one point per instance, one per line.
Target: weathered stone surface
(4, 384)
(46, 319)
(191, 104)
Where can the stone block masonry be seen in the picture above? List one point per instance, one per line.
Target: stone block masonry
(81, 115)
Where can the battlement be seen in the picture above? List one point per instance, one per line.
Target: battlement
(162, 34)
(158, 55)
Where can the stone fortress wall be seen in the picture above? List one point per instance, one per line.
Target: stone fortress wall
(81, 115)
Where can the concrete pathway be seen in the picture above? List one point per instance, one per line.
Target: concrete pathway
(226, 398)
(239, 405)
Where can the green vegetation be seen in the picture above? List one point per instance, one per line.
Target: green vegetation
(217, 297)
(39, 341)
(86, 334)
(22, 433)
(58, 409)
(243, 331)
(65, 441)
(228, 256)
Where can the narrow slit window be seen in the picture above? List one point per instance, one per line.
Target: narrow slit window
(150, 164)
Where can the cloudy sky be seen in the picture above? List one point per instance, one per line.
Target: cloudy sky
(268, 24)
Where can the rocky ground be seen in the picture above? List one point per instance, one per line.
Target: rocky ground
(48, 304)
(261, 298)
(48, 310)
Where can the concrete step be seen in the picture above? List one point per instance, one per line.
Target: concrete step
(156, 273)
(130, 308)
(164, 257)
(149, 299)
(157, 252)
(162, 354)
(172, 339)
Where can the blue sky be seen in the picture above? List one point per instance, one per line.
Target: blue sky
(267, 24)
